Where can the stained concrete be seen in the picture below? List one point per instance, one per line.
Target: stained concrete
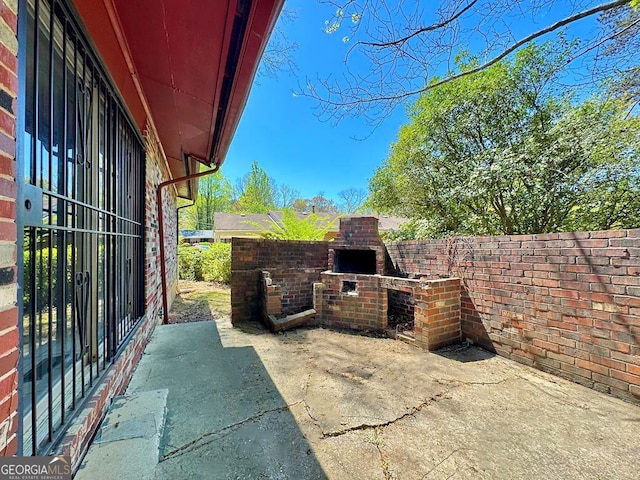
(315, 404)
(127, 446)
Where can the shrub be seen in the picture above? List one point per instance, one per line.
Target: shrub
(211, 265)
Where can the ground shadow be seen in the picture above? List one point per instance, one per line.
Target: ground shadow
(225, 416)
(464, 352)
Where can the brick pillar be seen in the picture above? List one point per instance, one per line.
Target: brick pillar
(437, 313)
(271, 296)
(318, 297)
(9, 337)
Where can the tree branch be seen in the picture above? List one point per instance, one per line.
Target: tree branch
(401, 56)
(430, 28)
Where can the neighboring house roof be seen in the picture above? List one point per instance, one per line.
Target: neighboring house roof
(245, 222)
(252, 223)
(387, 223)
(186, 234)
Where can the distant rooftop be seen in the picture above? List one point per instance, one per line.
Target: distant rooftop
(197, 233)
(257, 222)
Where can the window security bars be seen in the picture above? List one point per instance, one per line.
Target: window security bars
(82, 181)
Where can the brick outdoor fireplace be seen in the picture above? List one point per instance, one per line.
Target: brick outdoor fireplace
(356, 292)
(353, 291)
(357, 248)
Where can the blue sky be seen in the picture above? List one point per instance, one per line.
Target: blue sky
(282, 133)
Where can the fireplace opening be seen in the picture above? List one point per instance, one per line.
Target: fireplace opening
(400, 312)
(355, 261)
(349, 288)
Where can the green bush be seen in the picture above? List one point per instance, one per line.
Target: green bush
(189, 262)
(211, 265)
(216, 265)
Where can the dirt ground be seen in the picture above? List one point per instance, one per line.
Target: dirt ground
(317, 403)
(200, 301)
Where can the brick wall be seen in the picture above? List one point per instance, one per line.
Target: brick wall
(363, 308)
(294, 266)
(9, 337)
(566, 303)
(156, 173)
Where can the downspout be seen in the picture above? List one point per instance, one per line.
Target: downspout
(178, 214)
(163, 267)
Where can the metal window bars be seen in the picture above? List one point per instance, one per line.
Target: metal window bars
(81, 178)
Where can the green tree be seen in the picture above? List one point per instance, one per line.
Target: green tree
(499, 153)
(622, 69)
(214, 195)
(294, 226)
(257, 192)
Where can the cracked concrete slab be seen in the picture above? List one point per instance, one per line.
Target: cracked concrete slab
(316, 404)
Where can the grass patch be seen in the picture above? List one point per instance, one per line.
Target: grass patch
(201, 301)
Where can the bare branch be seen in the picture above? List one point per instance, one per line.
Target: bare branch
(430, 28)
(405, 58)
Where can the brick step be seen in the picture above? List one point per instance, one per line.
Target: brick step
(127, 446)
(291, 321)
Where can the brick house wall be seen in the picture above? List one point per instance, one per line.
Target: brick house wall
(566, 303)
(293, 265)
(156, 173)
(9, 336)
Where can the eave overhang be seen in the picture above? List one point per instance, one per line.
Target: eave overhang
(183, 68)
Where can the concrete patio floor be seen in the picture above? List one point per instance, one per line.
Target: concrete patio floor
(314, 404)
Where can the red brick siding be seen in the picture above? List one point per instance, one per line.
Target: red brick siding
(566, 303)
(156, 172)
(294, 266)
(9, 338)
